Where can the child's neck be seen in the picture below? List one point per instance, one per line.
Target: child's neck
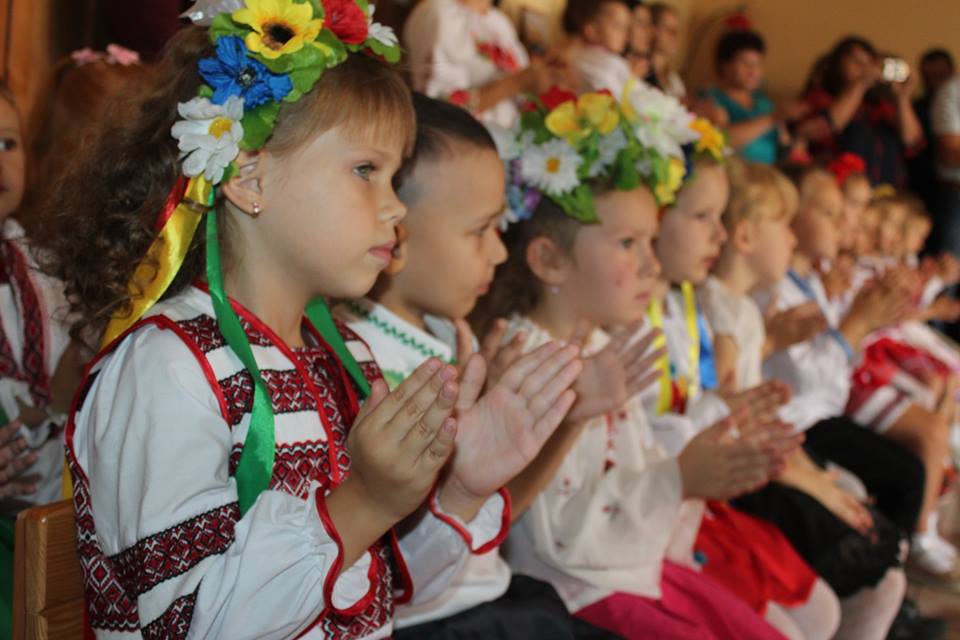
(280, 308)
(393, 299)
(801, 264)
(736, 275)
(554, 314)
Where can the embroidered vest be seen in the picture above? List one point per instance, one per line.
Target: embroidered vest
(310, 447)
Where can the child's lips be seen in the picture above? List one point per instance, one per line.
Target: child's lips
(384, 252)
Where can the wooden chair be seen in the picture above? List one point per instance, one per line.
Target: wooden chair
(48, 589)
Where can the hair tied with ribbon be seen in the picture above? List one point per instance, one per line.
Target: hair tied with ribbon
(115, 54)
(846, 165)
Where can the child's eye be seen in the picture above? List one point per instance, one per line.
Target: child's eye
(8, 144)
(364, 170)
(627, 243)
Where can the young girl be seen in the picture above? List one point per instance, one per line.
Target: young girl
(408, 317)
(580, 248)
(38, 367)
(281, 519)
(468, 52)
(599, 33)
(757, 254)
(766, 571)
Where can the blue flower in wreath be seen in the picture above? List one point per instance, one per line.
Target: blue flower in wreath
(234, 73)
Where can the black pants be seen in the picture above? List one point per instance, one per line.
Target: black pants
(529, 610)
(892, 475)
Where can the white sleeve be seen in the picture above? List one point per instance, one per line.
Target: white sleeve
(945, 113)
(155, 449)
(435, 69)
(572, 521)
(437, 546)
(818, 374)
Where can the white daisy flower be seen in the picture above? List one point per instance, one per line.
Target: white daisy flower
(380, 32)
(660, 121)
(609, 147)
(551, 167)
(209, 136)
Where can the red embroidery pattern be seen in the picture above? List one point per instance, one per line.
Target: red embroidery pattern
(108, 604)
(175, 621)
(113, 583)
(32, 370)
(176, 550)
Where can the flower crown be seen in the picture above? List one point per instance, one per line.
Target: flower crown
(563, 142)
(267, 52)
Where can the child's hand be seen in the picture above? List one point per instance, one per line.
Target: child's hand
(501, 432)
(616, 373)
(402, 439)
(944, 309)
(839, 278)
(15, 456)
(717, 465)
(759, 404)
(499, 357)
(842, 504)
(877, 305)
(948, 268)
(792, 326)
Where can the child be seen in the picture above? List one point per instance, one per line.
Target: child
(470, 54)
(39, 368)
(599, 33)
(666, 47)
(580, 248)
(756, 255)
(820, 370)
(766, 572)
(407, 317)
(281, 520)
(640, 46)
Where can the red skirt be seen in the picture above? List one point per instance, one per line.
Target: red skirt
(752, 558)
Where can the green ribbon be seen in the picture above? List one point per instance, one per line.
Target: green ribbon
(319, 314)
(256, 461)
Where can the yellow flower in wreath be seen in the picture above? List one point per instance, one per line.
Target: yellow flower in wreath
(576, 120)
(712, 141)
(666, 191)
(279, 27)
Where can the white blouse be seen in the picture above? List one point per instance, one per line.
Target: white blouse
(452, 48)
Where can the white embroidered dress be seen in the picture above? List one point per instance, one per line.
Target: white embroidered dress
(153, 445)
(604, 522)
(400, 347)
(445, 42)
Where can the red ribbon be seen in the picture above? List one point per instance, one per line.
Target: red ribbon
(173, 199)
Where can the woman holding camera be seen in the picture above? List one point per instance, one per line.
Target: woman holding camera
(860, 105)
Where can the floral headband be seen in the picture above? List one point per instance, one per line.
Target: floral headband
(564, 141)
(267, 52)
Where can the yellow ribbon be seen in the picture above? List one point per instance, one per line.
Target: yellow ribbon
(665, 397)
(160, 266)
(688, 387)
(693, 330)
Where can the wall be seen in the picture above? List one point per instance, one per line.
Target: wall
(798, 32)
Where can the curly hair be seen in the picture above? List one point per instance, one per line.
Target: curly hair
(99, 219)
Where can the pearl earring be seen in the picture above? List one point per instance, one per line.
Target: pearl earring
(257, 210)
(554, 289)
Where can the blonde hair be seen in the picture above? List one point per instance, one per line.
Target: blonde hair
(758, 192)
(893, 206)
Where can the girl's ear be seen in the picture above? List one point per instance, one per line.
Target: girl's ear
(743, 237)
(244, 190)
(548, 262)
